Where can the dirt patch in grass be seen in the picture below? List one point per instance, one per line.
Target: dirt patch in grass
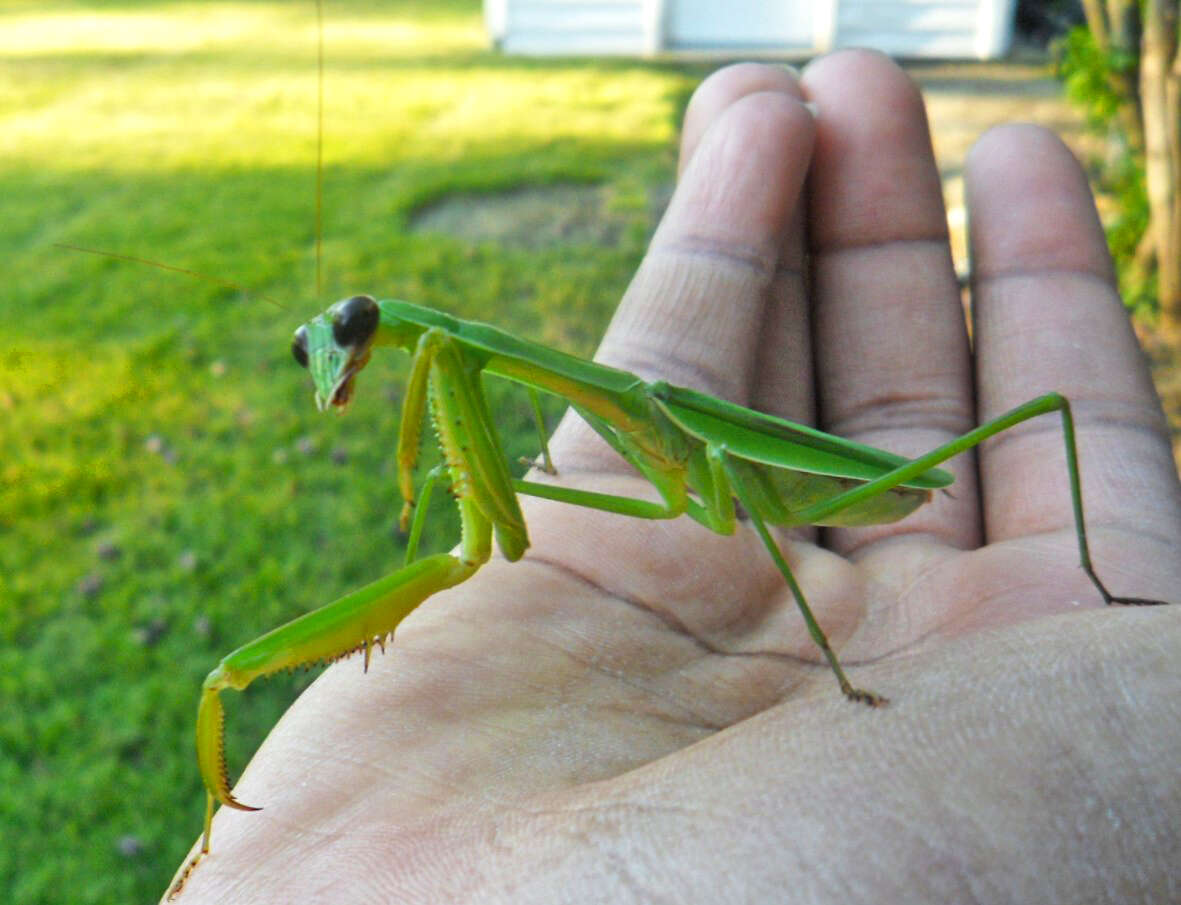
(542, 216)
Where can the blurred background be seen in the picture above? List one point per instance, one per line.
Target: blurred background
(167, 489)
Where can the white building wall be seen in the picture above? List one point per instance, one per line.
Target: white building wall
(574, 27)
(748, 24)
(926, 28)
(955, 29)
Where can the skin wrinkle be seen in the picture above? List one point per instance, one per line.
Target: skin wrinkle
(788, 281)
(906, 639)
(918, 641)
(785, 536)
(601, 823)
(832, 249)
(1038, 335)
(617, 866)
(763, 262)
(599, 829)
(799, 272)
(589, 662)
(988, 278)
(1096, 527)
(903, 414)
(863, 395)
(666, 617)
(695, 720)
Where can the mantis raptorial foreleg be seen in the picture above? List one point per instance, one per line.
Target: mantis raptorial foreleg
(481, 484)
(468, 438)
(352, 623)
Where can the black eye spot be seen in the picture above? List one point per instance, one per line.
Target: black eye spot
(355, 321)
(299, 346)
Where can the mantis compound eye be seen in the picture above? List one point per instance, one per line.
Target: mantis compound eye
(299, 346)
(355, 321)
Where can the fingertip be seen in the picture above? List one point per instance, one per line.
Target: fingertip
(744, 178)
(1030, 207)
(849, 66)
(722, 89)
(875, 175)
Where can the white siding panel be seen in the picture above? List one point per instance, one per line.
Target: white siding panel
(570, 16)
(920, 28)
(906, 28)
(575, 27)
(899, 17)
(713, 24)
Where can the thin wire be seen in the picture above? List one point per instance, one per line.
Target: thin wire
(196, 274)
(320, 150)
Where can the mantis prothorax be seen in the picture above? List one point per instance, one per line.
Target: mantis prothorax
(701, 454)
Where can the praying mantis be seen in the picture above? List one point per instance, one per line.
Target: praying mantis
(704, 456)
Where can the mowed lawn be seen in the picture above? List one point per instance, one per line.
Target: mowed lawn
(167, 489)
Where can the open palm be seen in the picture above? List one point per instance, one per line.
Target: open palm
(635, 712)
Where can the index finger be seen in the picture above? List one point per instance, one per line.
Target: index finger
(694, 312)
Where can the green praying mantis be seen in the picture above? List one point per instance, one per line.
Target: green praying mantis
(705, 458)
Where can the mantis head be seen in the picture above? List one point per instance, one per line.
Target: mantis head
(335, 345)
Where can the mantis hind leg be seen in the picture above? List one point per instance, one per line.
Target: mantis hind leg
(849, 690)
(547, 462)
(1042, 405)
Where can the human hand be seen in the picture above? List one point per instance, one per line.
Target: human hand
(635, 713)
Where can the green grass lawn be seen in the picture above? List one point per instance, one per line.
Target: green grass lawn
(167, 489)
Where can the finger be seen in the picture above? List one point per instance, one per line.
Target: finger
(720, 90)
(891, 346)
(694, 310)
(1048, 317)
(782, 381)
